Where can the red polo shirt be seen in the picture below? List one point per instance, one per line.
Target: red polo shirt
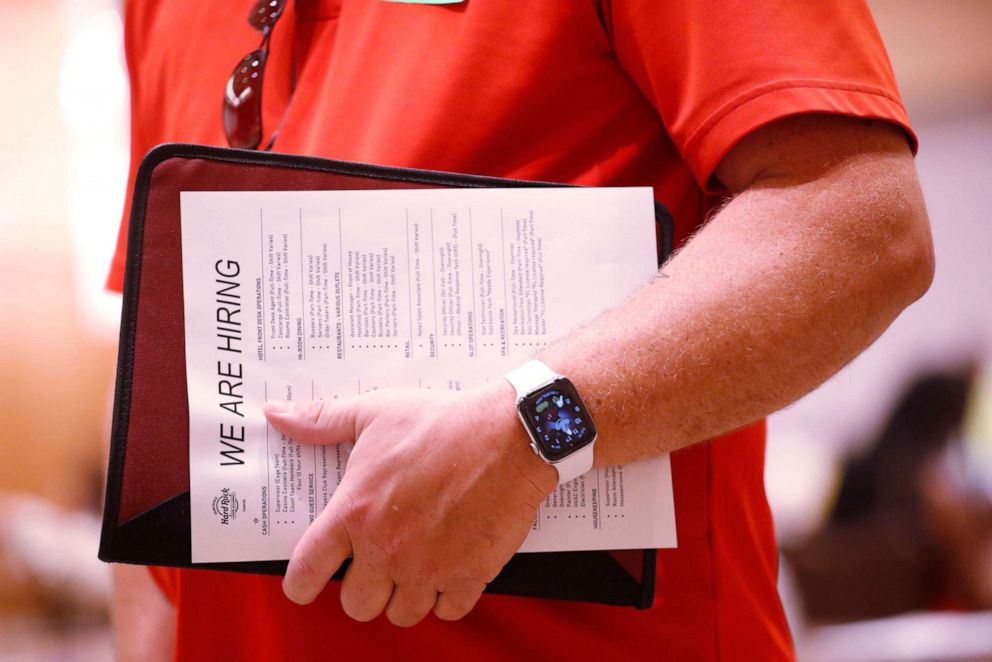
(598, 92)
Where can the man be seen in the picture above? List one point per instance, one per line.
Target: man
(789, 107)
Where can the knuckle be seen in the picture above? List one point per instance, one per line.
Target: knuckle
(350, 513)
(319, 413)
(302, 568)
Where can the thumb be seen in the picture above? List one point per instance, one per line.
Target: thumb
(316, 422)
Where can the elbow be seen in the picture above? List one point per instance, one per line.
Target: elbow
(910, 254)
(924, 264)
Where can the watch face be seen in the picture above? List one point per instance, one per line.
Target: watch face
(558, 421)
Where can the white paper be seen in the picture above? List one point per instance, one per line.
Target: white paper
(328, 294)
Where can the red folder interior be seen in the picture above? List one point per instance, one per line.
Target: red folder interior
(154, 472)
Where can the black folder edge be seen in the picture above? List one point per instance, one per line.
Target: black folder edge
(600, 578)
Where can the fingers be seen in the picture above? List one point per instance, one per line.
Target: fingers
(410, 603)
(317, 556)
(458, 601)
(316, 422)
(364, 591)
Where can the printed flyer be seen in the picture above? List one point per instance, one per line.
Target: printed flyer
(330, 294)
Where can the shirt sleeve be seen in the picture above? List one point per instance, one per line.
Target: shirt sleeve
(716, 70)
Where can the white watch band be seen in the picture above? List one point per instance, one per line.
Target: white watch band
(530, 376)
(575, 464)
(525, 380)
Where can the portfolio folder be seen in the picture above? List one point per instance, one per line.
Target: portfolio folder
(146, 516)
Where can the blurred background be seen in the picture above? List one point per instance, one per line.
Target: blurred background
(881, 480)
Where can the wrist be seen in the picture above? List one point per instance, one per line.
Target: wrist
(552, 412)
(515, 444)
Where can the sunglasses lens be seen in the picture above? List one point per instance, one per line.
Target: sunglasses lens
(243, 93)
(265, 13)
(243, 102)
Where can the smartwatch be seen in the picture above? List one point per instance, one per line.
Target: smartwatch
(559, 425)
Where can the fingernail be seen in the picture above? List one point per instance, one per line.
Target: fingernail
(278, 407)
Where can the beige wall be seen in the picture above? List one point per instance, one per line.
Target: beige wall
(941, 51)
(53, 371)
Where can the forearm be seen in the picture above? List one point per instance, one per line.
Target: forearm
(746, 321)
(785, 285)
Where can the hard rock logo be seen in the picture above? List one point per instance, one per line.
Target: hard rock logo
(225, 505)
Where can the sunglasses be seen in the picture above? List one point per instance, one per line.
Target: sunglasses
(243, 92)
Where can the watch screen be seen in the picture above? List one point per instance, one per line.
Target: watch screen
(558, 420)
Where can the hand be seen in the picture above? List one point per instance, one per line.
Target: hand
(440, 491)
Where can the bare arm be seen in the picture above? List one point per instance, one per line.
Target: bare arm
(144, 621)
(824, 244)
